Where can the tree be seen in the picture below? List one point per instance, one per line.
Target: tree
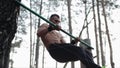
(70, 24)
(100, 33)
(37, 41)
(8, 17)
(31, 40)
(95, 30)
(108, 35)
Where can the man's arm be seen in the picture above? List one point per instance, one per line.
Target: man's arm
(42, 30)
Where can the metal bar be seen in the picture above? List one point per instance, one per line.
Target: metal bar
(50, 22)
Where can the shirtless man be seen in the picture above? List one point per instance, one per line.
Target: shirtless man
(59, 49)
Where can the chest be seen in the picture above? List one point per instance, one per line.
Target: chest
(53, 34)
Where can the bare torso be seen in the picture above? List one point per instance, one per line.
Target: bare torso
(50, 37)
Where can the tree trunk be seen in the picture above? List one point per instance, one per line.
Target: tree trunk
(95, 29)
(85, 2)
(108, 36)
(100, 35)
(37, 43)
(43, 57)
(70, 24)
(31, 46)
(8, 16)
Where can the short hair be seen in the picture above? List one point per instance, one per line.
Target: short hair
(54, 15)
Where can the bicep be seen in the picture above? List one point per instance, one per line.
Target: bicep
(41, 30)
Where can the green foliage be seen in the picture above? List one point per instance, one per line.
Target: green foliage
(103, 67)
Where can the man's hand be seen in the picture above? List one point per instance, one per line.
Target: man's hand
(75, 41)
(57, 27)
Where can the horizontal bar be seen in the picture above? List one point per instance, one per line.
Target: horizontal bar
(50, 23)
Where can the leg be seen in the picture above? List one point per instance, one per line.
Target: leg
(62, 52)
(68, 52)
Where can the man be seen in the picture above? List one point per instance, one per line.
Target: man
(59, 49)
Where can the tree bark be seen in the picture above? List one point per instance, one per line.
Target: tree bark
(8, 17)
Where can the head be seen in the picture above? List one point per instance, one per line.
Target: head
(55, 18)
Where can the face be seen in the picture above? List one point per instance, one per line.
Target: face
(55, 20)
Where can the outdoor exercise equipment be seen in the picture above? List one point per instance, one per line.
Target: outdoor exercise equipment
(19, 3)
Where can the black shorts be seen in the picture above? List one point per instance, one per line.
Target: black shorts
(64, 52)
(67, 52)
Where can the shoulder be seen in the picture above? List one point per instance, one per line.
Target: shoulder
(44, 25)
